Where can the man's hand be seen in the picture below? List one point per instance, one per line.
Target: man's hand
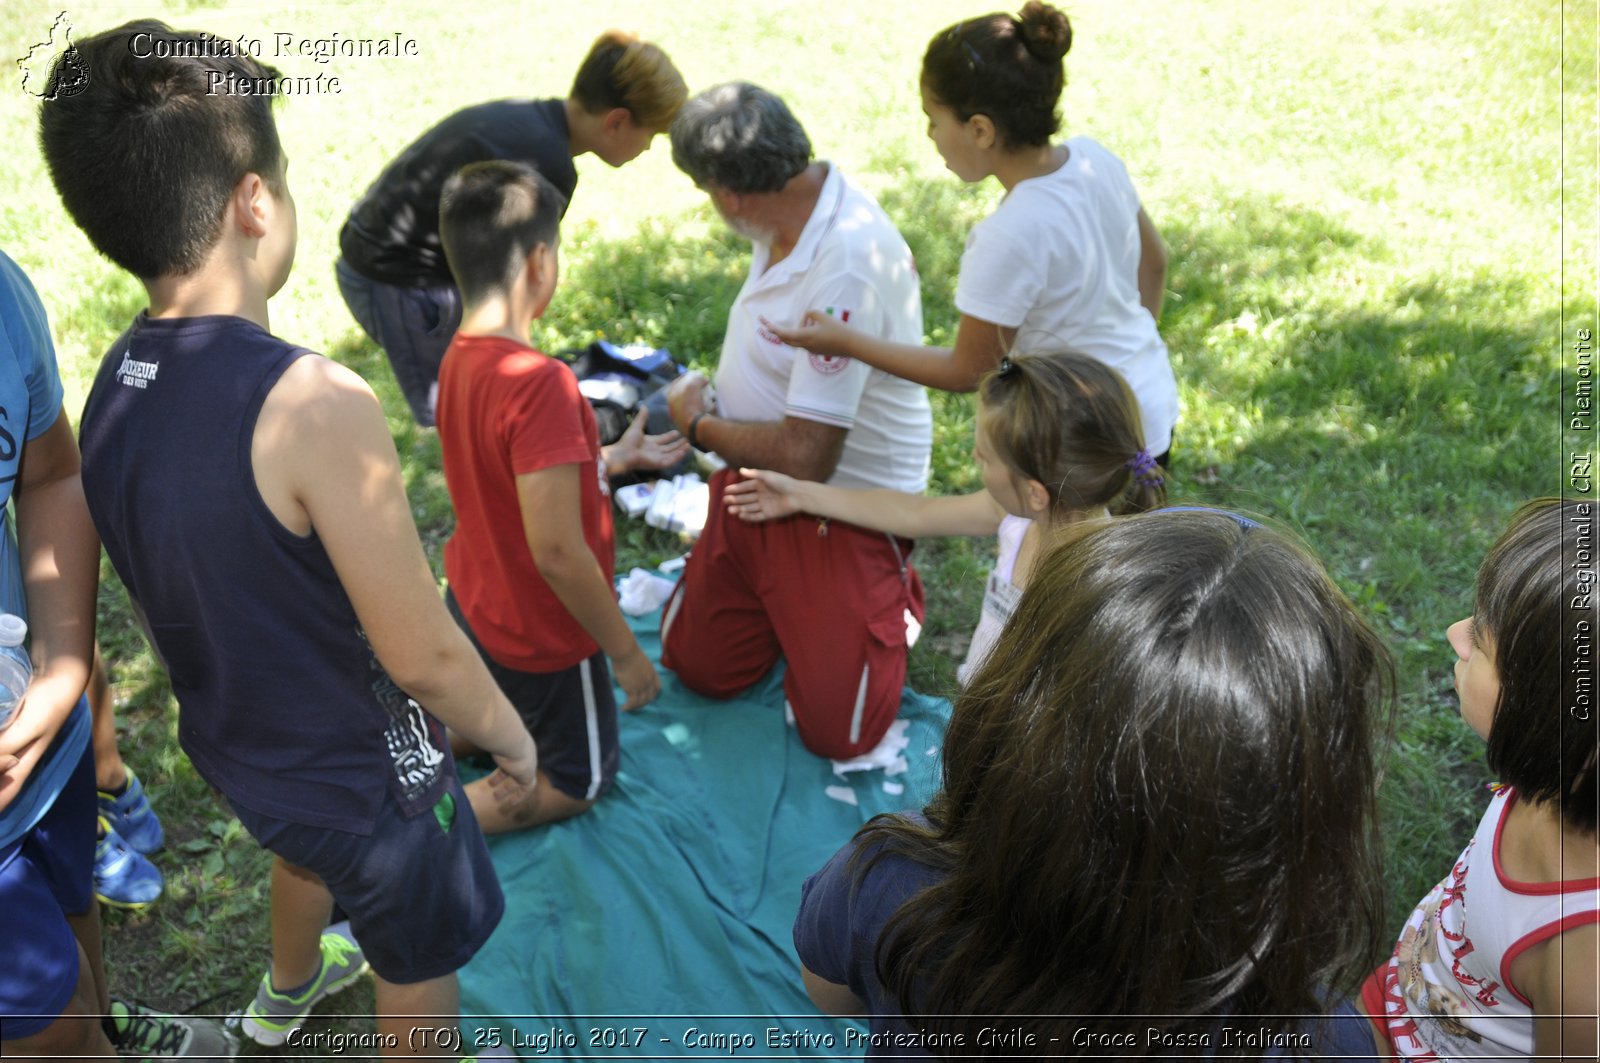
(819, 333)
(762, 495)
(635, 450)
(687, 398)
(637, 677)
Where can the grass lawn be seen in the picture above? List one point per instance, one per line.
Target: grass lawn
(1376, 268)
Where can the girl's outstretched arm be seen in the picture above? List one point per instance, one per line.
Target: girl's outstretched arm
(765, 495)
(979, 347)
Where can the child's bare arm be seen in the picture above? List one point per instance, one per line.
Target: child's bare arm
(60, 557)
(978, 348)
(1152, 279)
(552, 522)
(764, 495)
(831, 997)
(324, 461)
(1565, 991)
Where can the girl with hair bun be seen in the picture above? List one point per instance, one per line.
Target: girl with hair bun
(1068, 259)
(1058, 442)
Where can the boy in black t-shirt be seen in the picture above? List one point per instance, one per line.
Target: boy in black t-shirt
(392, 270)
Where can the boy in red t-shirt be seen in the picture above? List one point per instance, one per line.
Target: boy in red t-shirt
(530, 563)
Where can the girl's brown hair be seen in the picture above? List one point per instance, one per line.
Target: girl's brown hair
(1009, 68)
(1537, 602)
(623, 71)
(1158, 798)
(1070, 422)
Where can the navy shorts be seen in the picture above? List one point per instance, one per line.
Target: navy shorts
(572, 715)
(414, 326)
(421, 893)
(45, 876)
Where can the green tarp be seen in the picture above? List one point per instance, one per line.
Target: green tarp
(630, 929)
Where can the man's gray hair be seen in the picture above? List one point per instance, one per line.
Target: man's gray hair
(741, 137)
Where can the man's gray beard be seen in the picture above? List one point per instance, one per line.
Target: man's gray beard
(749, 230)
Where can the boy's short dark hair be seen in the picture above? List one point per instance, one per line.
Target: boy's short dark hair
(1536, 601)
(491, 217)
(146, 154)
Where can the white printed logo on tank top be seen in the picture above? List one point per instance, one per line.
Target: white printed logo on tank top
(133, 373)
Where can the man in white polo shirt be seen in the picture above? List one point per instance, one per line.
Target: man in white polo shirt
(834, 599)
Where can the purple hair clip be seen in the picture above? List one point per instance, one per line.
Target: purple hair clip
(1145, 469)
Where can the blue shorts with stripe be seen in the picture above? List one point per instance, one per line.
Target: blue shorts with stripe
(572, 715)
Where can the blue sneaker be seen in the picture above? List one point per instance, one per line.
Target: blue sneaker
(122, 877)
(132, 817)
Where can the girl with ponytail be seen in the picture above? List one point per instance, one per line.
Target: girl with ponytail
(1058, 442)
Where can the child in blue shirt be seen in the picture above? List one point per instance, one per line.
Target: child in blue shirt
(53, 983)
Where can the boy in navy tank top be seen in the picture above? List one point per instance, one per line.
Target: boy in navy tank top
(249, 496)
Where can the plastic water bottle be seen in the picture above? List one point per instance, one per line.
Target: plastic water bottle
(16, 667)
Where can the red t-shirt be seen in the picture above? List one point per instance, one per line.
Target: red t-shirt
(504, 410)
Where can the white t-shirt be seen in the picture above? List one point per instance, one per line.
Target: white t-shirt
(852, 261)
(1000, 595)
(1058, 260)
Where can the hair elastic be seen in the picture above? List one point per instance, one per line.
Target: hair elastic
(1243, 522)
(1006, 366)
(957, 33)
(1145, 469)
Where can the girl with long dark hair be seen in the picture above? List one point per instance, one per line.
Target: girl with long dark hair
(1156, 830)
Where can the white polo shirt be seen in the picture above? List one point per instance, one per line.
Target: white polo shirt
(851, 259)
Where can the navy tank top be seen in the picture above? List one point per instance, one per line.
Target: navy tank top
(282, 705)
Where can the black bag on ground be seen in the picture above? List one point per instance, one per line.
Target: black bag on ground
(618, 381)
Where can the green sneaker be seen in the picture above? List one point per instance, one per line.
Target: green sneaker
(144, 1033)
(271, 1016)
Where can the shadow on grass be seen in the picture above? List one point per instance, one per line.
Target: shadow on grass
(1393, 422)
(667, 285)
(1310, 367)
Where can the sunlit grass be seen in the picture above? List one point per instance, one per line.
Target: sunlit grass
(1363, 207)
